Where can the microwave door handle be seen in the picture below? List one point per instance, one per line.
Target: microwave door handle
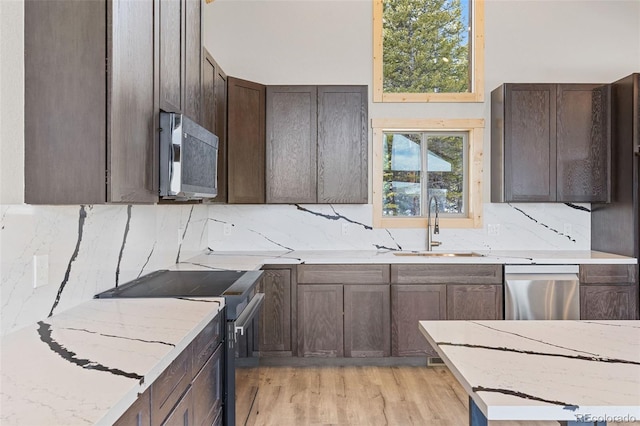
(247, 315)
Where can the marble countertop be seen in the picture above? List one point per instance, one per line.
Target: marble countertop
(544, 370)
(248, 260)
(87, 365)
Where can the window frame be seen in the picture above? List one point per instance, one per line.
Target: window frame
(477, 66)
(475, 130)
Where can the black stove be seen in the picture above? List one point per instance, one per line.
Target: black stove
(237, 287)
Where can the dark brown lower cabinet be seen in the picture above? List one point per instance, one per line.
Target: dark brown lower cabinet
(609, 292)
(410, 304)
(139, 413)
(189, 391)
(275, 319)
(367, 321)
(608, 302)
(182, 413)
(320, 320)
(474, 302)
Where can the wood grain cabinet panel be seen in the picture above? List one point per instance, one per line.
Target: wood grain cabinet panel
(320, 320)
(609, 292)
(583, 146)
(291, 144)
(343, 274)
(89, 102)
(172, 18)
(275, 318)
(434, 273)
(207, 390)
(246, 141)
(474, 302)
(214, 115)
(193, 60)
(182, 413)
(608, 302)
(139, 413)
(367, 321)
(342, 144)
(410, 304)
(169, 387)
(550, 143)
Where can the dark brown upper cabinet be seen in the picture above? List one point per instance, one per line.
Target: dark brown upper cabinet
(292, 139)
(90, 116)
(214, 115)
(342, 144)
(180, 44)
(550, 143)
(246, 141)
(317, 144)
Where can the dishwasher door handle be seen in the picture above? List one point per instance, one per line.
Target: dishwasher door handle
(246, 317)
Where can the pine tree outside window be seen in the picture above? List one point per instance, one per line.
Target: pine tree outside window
(428, 50)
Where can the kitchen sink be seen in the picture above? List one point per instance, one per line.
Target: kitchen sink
(438, 254)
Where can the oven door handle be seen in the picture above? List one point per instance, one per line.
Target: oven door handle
(247, 315)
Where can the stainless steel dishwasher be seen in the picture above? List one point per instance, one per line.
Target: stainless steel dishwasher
(541, 292)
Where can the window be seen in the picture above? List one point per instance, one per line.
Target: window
(415, 160)
(428, 50)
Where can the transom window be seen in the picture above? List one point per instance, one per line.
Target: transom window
(428, 50)
(415, 160)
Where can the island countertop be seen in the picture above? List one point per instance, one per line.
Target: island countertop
(88, 364)
(250, 260)
(544, 370)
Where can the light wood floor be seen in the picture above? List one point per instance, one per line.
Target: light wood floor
(364, 396)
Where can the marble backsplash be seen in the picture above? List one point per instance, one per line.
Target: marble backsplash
(348, 227)
(83, 250)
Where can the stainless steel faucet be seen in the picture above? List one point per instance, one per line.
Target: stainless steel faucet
(436, 225)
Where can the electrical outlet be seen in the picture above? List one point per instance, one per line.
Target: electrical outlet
(40, 270)
(226, 229)
(567, 229)
(346, 229)
(493, 229)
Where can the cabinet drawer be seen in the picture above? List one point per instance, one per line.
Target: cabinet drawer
(343, 274)
(206, 342)
(446, 273)
(138, 413)
(182, 414)
(608, 274)
(207, 390)
(167, 389)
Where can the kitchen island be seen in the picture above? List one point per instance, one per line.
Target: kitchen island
(569, 371)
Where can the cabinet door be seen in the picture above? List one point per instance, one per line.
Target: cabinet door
(367, 320)
(410, 304)
(608, 302)
(530, 142)
(291, 144)
(275, 318)
(131, 128)
(214, 115)
(320, 320)
(207, 390)
(167, 389)
(246, 141)
(193, 60)
(342, 144)
(474, 302)
(65, 105)
(172, 54)
(583, 142)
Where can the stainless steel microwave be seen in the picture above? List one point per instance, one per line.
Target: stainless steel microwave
(188, 159)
